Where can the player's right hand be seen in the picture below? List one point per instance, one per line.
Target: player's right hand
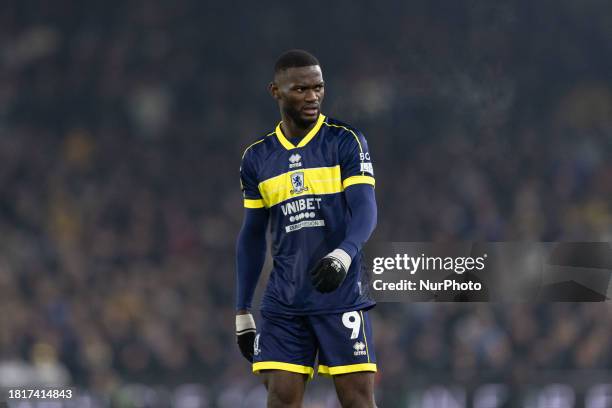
(245, 334)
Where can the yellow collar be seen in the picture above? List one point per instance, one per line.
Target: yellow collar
(288, 145)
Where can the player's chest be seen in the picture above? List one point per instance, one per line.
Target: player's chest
(304, 158)
(291, 174)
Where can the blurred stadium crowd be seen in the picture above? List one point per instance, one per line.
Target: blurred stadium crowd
(122, 128)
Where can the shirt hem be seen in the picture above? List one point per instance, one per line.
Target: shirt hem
(288, 311)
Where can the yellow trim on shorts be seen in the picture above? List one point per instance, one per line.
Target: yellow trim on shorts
(352, 368)
(358, 180)
(277, 365)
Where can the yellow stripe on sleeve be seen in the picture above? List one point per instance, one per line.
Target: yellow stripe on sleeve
(358, 180)
(248, 203)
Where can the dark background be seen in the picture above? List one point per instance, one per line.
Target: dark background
(122, 124)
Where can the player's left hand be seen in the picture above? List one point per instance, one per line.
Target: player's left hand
(245, 335)
(331, 270)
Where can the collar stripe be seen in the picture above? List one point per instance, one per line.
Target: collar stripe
(309, 136)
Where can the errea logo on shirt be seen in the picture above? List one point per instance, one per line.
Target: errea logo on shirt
(294, 161)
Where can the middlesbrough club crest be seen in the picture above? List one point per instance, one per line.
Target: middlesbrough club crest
(297, 181)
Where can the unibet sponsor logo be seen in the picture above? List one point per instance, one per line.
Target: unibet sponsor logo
(303, 213)
(360, 349)
(313, 203)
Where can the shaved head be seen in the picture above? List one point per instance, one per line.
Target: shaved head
(294, 59)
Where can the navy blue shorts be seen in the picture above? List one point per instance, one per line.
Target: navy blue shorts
(290, 343)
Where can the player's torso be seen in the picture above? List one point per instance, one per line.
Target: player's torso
(302, 188)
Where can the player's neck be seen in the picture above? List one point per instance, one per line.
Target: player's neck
(293, 131)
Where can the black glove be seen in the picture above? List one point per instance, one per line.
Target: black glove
(331, 270)
(245, 335)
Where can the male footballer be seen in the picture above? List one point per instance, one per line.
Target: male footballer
(312, 181)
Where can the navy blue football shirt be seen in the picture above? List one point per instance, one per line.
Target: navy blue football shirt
(302, 186)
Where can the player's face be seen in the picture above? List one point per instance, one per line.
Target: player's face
(299, 92)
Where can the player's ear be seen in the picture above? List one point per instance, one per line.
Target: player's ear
(273, 89)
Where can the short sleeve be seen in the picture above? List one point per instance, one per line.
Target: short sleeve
(249, 183)
(355, 160)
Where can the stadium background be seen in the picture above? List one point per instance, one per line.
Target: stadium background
(122, 125)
